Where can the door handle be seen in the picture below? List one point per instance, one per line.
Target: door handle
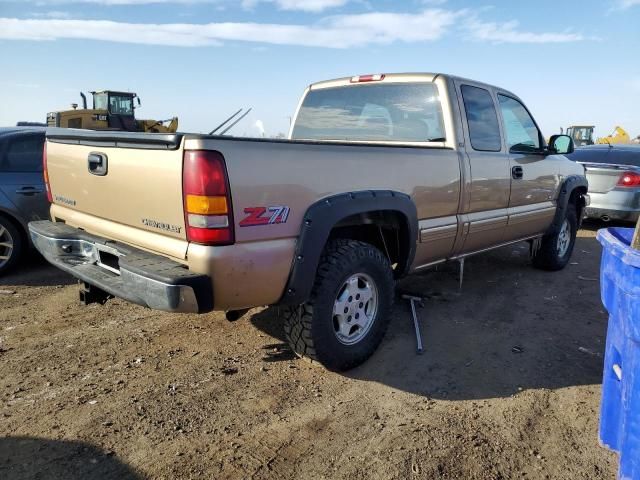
(517, 173)
(29, 191)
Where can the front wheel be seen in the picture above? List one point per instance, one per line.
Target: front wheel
(349, 309)
(556, 249)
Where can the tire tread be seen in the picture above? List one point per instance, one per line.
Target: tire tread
(298, 320)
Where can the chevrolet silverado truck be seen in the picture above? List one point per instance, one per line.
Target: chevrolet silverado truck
(381, 176)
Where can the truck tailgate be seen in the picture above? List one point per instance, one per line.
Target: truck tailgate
(138, 185)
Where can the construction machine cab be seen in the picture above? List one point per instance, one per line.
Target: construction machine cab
(581, 134)
(116, 103)
(119, 106)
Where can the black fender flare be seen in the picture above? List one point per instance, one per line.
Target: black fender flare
(318, 222)
(570, 184)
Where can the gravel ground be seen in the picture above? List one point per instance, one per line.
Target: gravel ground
(508, 387)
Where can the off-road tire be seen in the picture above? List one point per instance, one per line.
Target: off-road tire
(16, 252)
(547, 256)
(309, 327)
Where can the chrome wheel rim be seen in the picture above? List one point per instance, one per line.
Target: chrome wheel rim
(6, 245)
(355, 308)
(564, 238)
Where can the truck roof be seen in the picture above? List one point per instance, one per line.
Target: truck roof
(6, 131)
(402, 77)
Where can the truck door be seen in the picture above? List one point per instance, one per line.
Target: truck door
(534, 178)
(484, 211)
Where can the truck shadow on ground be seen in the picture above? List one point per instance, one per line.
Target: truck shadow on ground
(510, 328)
(34, 271)
(23, 458)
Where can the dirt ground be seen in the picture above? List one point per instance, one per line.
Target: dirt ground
(509, 385)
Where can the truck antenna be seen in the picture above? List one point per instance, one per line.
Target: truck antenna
(236, 122)
(223, 123)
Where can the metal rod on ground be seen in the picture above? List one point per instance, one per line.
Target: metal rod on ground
(416, 325)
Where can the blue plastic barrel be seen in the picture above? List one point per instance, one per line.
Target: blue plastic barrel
(620, 290)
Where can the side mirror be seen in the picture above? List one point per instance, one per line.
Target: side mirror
(139, 102)
(561, 144)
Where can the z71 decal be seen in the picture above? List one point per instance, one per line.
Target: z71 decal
(265, 216)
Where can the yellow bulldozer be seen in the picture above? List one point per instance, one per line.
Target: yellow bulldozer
(583, 135)
(111, 111)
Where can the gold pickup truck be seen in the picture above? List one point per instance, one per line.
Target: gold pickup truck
(382, 175)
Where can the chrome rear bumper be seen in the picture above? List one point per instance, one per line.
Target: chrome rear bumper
(140, 277)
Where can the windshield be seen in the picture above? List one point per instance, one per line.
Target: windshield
(121, 104)
(409, 112)
(582, 133)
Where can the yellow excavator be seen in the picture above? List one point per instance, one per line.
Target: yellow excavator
(111, 111)
(583, 135)
(619, 135)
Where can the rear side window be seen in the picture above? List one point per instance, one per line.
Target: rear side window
(484, 130)
(23, 154)
(409, 112)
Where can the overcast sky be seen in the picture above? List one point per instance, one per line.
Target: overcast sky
(573, 62)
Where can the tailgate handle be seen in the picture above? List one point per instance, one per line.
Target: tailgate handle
(97, 163)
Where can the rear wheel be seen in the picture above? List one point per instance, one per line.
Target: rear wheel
(555, 251)
(349, 309)
(10, 245)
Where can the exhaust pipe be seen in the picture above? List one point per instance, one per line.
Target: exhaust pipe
(84, 100)
(605, 218)
(233, 315)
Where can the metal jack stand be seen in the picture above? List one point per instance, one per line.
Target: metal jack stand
(461, 275)
(416, 325)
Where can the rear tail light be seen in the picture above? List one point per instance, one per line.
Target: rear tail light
(629, 179)
(207, 203)
(367, 78)
(45, 173)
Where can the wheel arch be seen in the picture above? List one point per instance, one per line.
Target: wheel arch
(355, 215)
(572, 192)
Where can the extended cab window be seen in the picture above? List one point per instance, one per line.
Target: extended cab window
(484, 131)
(383, 112)
(24, 154)
(520, 129)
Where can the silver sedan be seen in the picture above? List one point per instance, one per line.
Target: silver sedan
(613, 172)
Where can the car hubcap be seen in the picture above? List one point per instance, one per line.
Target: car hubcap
(6, 245)
(564, 239)
(355, 308)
